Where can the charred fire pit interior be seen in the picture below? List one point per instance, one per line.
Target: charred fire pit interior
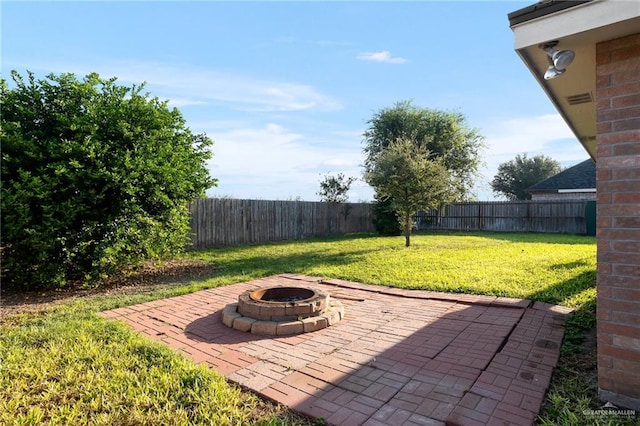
(282, 311)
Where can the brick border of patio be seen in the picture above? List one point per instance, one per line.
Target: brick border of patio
(401, 357)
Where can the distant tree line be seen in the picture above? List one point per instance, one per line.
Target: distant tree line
(515, 176)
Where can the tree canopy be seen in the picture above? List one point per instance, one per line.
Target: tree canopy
(443, 134)
(515, 176)
(95, 177)
(411, 179)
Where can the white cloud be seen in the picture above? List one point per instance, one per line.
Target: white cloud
(266, 162)
(382, 56)
(240, 92)
(192, 86)
(527, 134)
(541, 135)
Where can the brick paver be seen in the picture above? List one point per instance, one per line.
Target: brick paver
(399, 357)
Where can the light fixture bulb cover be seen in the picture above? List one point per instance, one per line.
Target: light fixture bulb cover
(552, 72)
(563, 58)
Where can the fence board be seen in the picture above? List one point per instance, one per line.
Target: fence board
(225, 222)
(508, 216)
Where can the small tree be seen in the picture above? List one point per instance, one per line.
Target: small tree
(515, 176)
(335, 188)
(443, 134)
(446, 135)
(95, 178)
(405, 174)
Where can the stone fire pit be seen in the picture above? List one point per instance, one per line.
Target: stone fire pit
(281, 311)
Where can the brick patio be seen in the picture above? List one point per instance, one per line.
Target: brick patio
(399, 357)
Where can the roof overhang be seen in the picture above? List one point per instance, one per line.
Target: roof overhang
(577, 26)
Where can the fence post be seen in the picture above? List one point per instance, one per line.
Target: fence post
(590, 218)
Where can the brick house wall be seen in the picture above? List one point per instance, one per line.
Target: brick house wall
(618, 223)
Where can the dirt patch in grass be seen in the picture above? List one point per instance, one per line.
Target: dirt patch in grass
(585, 362)
(147, 277)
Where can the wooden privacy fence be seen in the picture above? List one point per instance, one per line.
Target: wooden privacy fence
(225, 222)
(572, 217)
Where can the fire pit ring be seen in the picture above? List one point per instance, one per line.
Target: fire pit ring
(282, 303)
(282, 311)
(282, 294)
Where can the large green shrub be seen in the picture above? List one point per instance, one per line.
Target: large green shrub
(95, 177)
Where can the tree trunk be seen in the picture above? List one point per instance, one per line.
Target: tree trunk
(407, 230)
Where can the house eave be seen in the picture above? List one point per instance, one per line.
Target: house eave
(577, 26)
(586, 137)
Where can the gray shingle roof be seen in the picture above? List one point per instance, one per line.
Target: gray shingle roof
(580, 176)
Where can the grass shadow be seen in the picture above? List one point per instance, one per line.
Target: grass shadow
(565, 290)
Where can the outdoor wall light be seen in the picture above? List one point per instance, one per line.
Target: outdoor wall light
(559, 60)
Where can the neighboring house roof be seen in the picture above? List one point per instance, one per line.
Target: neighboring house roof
(580, 176)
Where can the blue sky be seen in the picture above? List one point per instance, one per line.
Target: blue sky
(285, 89)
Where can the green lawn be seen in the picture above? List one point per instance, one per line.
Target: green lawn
(67, 365)
(557, 269)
